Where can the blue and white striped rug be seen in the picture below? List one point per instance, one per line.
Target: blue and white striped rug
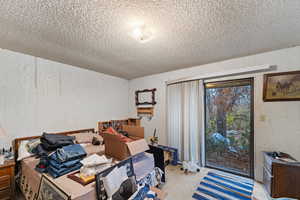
(224, 186)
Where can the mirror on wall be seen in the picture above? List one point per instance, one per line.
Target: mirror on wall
(145, 97)
(145, 101)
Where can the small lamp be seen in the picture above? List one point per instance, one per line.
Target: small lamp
(2, 135)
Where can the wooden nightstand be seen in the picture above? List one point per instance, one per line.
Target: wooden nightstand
(7, 180)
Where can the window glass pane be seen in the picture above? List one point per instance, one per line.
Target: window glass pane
(228, 128)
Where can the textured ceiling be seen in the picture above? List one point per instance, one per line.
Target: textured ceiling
(93, 34)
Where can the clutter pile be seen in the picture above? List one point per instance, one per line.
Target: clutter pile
(47, 144)
(120, 183)
(93, 165)
(65, 160)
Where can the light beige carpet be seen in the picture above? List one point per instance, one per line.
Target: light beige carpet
(182, 186)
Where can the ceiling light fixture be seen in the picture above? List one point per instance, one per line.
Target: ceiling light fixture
(142, 33)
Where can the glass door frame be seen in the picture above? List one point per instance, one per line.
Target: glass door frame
(251, 156)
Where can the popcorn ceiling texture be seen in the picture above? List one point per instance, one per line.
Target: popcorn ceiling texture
(94, 34)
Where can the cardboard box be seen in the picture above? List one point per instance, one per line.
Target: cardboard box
(137, 146)
(134, 132)
(121, 150)
(114, 147)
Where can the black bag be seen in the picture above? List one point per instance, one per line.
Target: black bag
(51, 142)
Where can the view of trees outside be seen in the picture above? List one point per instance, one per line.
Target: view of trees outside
(228, 128)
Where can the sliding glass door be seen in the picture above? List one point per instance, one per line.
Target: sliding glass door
(229, 126)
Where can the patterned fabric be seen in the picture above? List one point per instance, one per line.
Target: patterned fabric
(153, 178)
(219, 185)
(158, 175)
(32, 144)
(142, 193)
(26, 189)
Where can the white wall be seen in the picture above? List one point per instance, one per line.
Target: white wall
(280, 131)
(39, 95)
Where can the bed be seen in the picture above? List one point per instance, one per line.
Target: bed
(29, 179)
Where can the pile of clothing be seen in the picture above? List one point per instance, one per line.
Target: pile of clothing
(65, 160)
(153, 179)
(122, 135)
(51, 142)
(58, 154)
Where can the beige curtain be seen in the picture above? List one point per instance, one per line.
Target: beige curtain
(184, 119)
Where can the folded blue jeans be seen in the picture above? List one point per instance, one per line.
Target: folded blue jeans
(64, 165)
(67, 153)
(57, 173)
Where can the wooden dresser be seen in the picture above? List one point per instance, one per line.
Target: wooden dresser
(7, 180)
(280, 178)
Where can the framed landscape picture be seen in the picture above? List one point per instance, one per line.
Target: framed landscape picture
(282, 86)
(49, 191)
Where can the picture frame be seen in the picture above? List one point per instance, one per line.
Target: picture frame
(149, 101)
(100, 190)
(284, 86)
(75, 177)
(49, 190)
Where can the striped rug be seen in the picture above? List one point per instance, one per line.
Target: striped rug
(224, 186)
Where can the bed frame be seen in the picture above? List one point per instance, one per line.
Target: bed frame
(17, 141)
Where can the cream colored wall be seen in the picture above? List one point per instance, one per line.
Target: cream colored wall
(39, 95)
(281, 129)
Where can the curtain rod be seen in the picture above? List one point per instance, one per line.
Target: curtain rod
(240, 71)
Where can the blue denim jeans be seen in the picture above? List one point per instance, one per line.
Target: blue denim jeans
(64, 165)
(55, 173)
(67, 153)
